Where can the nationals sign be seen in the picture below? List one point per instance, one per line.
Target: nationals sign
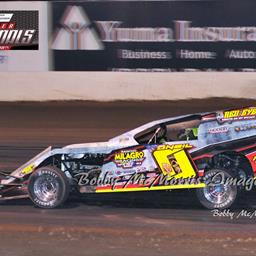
(18, 30)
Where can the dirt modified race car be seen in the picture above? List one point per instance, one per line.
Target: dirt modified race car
(197, 151)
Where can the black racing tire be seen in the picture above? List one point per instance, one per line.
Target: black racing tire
(48, 187)
(216, 195)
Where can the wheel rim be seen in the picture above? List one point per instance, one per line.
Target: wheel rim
(46, 188)
(219, 194)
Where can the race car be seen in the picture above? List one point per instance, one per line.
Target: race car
(213, 153)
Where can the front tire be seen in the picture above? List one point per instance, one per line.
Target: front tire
(48, 187)
(218, 193)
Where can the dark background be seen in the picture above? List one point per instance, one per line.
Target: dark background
(158, 14)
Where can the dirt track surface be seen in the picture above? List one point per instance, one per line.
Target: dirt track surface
(162, 224)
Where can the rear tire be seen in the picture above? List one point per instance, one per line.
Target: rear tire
(48, 187)
(218, 194)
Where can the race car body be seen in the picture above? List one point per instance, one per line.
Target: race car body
(201, 151)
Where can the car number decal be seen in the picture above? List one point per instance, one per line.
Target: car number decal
(174, 160)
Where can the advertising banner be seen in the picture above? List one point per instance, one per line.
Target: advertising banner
(23, 36)
(19, 30)
(154, 35)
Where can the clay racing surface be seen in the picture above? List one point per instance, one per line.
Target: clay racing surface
(166, 223)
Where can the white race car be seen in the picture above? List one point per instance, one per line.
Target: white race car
(200, 151)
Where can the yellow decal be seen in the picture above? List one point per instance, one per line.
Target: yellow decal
(129, 155)
(247, 112)
(28, 169)
(173, 160)
(254, 159)
(231, 114)
(180, 186)
(173, 147)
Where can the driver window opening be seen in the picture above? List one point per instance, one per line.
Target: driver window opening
(167, 132)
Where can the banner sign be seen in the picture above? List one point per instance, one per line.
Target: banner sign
(161, 36)
(19, 30)
(24, 36)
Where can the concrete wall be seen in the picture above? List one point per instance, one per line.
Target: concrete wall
(108, 86)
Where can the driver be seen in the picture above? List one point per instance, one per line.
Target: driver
(162, 138)
(188, 134)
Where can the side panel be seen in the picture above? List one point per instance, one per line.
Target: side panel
(149, 167)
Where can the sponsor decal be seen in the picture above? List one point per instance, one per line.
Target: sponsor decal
(174, 160)
(28, 170)
(175, 146)
(123, 139)
(19, 30)
(245, 127)
(222, 129)
(129, 158)
(173, 165)
(239, 114)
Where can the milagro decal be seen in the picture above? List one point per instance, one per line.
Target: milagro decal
(174, 160)
(129, 158)
(237, 115)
